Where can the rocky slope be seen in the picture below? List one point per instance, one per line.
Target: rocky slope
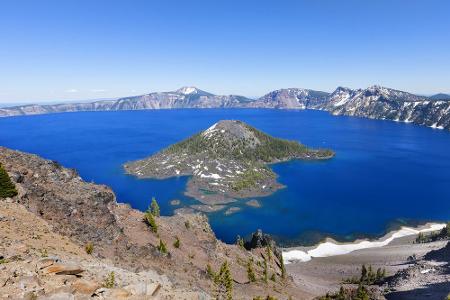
(226, 161)
(440, 97)
(293, 98)
(56, 215)
(378, 102)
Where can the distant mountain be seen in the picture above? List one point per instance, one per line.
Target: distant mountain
(292, 98)
(185, 97)
(375, 102)
(378, 102)
(440, 97)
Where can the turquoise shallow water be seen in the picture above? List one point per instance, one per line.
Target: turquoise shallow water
(384, 173)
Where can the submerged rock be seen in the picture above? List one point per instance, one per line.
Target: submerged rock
(253, 203)
(232, 210)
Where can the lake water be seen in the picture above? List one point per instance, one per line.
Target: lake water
(384, 174)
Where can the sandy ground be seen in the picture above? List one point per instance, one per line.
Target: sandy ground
(321, 275)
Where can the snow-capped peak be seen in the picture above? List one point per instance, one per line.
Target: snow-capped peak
(187, 90)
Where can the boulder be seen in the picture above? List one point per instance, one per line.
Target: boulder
(60, 269)
(85, 287)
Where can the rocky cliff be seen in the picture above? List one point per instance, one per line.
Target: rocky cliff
(49, 227)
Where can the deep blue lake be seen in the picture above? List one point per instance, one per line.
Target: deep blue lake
(384, 174)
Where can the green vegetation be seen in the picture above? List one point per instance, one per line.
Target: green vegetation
(283, 267)
(149, 219)
(361, 293)
(434, 236)
(266, 298)
(250, 273)
(89, 248)
(187, 224)
(264, 148)
(110, 281)
(162, 248)
(250, 178)
(210, 272)
(269, 253)
(154, 208)
(265, 271)
(240, 241)
(223, 282)
(7, 188)
(44, 253)
(368, 276)
(176, 244)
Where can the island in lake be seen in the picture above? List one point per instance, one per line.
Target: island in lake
(226, 161)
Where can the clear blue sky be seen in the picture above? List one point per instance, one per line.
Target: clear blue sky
(59, 50)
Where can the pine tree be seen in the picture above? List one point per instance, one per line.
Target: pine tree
(228, 282)
(283, 267)
(265, 271)
(269, 253)
(7, 188)
(154, 208)
(363, 274)
(341, 294)
(225, 280)
(150, 221)
(361, 293)
(250, 273)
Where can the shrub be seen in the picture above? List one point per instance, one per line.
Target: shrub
(210, 272)
(7, 188)
(240, 241)
(110, 281)
(187, 224)
(162, 248)
(44, 253)
(176, 244)
(89, 248)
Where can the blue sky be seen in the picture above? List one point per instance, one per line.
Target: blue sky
(60, 50)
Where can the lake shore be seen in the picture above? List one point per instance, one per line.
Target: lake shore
(324, 268)
(331, 247)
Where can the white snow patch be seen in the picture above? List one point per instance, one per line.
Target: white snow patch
(332, 248)
(215, 176)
